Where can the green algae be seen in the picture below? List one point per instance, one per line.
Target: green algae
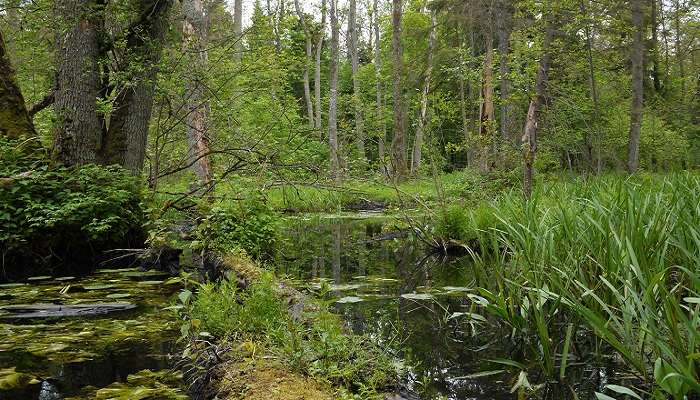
(52, 348)
(145, 384)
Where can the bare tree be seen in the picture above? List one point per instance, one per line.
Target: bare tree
(636, 111)
(195, 91)
(423, 117)
(333, 97)
(398, 147)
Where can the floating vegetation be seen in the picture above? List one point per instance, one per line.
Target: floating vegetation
(418, 296)
(349, 299)
(65, 349)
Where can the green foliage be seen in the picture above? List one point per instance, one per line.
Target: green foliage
(317, 345)
(43, 209)
(248, 226)
(618, 259)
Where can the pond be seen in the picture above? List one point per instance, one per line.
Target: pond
(422, 307)
(126, 354)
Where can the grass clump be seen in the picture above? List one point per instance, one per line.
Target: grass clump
(312, 342)
(613, 260)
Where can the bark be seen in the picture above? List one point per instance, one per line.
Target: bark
(487, 114)
(655, 72)
(197, 104)
(636, 111)
(125, 140)
(423, 117)
(592, 142)
(238, 28)
(529, 138)
(79, 126)
(398, 145)
(14, 118)
(307, 62)
(381, 142)
(504, 31)
(355, 62)
(333, 96)
(317, 73)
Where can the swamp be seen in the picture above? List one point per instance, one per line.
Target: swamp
(350, 199)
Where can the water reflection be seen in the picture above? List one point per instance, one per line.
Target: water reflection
(393, 291)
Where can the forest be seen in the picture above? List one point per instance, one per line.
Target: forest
(350, 199)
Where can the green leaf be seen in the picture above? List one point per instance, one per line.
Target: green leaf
(623, 390)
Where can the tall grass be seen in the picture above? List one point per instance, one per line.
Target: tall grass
(617, 258)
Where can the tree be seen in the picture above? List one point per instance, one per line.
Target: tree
(529, 138)
(636, 110)
(124, 142)
(355, 63)
(398, 145)
(487, 111)
(423, 117)
(381, 141)
(504, 27)
(14, 118)
(194, 35)
(307, 62)
(78, 85)
(333, 97)
(317, 71)
(238, 28)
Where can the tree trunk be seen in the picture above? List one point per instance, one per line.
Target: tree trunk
(238, 29)
(678, 47)
(78, 83)
(487, 114)
(590, 141)
(317, 73)
(504, 31)
(398, 146)
(333, 96)
(636, 111)
(423, 117)
(355, 62)
(655, 72)
(14, 118)
(125, 140)
(381, 142)
(197, 104)
(529, 138)
(307, 62)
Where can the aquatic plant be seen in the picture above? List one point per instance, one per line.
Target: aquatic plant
(612, 259)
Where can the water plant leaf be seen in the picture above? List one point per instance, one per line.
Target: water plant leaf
(418, 296)
(475, 316)
(601, 396)
(349, 299)
(510, 363)
(692, 300)
(480, 374)
(39, 278)
(98, 286)
(150, 282)
(623, 390)
(118, 295)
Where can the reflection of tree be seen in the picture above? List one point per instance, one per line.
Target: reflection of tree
(337, 238)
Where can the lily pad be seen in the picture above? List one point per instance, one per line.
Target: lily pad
(118, 295)
(418, 296)
(110, 271)
(65, 278)
(39, 278)
(98, 287)
(349, 300)
(150, 282)
(11, 285)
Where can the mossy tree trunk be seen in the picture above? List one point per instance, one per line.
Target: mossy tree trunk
(14, 119)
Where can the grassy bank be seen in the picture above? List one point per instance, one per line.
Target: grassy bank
(277, 342)
(609, 264)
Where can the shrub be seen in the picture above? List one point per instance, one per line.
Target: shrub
(49, 214)
(249, 226)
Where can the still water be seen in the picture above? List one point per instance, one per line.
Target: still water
(420, 306)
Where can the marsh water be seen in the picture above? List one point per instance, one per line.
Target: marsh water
(420, 306)
(121, 355)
